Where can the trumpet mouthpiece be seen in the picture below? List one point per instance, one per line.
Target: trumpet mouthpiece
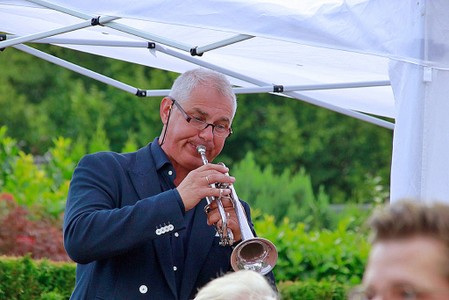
(201, 149)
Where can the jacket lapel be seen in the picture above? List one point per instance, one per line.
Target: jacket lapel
(143, 174)
(198, 248)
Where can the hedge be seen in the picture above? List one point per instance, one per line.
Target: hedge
(28, 279)
(313, 290)
(23, 278)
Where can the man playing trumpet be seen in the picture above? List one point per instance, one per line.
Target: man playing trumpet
(135, 222)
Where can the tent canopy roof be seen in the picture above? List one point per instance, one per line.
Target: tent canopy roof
(330, 53)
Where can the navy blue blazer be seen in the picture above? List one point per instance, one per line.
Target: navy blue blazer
(117, 227)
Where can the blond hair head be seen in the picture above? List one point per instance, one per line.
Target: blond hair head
(240, 285)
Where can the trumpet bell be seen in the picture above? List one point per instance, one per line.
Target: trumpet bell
(256, 254)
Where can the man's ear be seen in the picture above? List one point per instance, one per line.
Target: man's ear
(164, 109)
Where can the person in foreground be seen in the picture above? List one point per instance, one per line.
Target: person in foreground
(409, 258)
(240, 285)
(135, 223)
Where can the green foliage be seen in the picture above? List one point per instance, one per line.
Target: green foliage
(23, 118)
(8, 152)
(51, 296)
(30, 184)
(338, 255)
(99, 140)
(32, 187)
(313, 290)
(25, 279)
(131, 144)
(283, 196)
(342, 155)
(61, 161)
(42, 187)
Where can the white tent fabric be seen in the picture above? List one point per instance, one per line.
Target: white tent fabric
(341, 55)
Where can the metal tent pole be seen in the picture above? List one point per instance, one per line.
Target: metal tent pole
(36, 36)
(198, 50)
(75, 68)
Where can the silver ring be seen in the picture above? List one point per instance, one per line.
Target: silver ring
(207, 209)
(221, 192)
(207, 179)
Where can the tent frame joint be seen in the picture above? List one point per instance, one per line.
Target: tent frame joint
(278, 88)
(141, 93)
(194, 51)
(2, 38)
(95, 21)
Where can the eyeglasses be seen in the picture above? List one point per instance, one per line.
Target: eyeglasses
(399, 292)
(217, 129)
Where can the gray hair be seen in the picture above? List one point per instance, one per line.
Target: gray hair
(189, 80)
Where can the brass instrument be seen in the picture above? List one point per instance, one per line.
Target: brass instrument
(252, 253)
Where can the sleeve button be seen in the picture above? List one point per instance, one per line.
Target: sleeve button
(143, 289)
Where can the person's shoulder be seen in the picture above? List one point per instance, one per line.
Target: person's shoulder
(110, 160)
(109, 157)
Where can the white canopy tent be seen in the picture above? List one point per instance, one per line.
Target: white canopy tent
(361, 58)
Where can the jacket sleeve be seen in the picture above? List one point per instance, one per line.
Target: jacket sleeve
(104, 216)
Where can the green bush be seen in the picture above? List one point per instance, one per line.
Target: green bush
(338, 255)
(313, 290)
(42, 186)
(31, 184)
(24, 278)
(283, 196)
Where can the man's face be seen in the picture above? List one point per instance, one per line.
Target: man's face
(182, 138)
(410, 268)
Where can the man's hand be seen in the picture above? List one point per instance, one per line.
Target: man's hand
(214, 217)
(199, 183)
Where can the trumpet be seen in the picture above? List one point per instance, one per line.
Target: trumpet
(252, 253)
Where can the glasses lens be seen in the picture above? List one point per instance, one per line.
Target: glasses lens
(221, 130)
(198, 124)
